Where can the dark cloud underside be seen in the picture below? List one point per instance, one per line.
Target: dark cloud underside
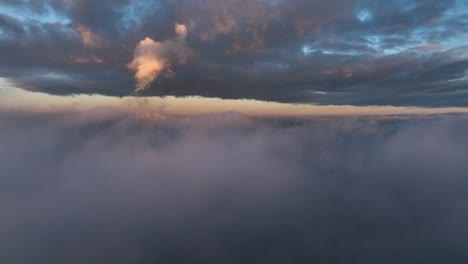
(360, 52)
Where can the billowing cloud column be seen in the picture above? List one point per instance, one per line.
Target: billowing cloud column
(151, 58)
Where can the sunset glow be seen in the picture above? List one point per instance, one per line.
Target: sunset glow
(233, 131)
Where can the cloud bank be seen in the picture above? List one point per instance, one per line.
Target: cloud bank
(151, 58)
(106, 186)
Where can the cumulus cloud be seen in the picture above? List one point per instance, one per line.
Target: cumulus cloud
(105, 186)
(151, 58)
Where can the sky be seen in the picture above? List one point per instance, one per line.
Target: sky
(335, 52)
(233, 131)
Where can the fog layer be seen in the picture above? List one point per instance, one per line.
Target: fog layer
(104, 186)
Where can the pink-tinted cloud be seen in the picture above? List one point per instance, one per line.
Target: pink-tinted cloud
(88, 37)
(151, 58)
(85, 58)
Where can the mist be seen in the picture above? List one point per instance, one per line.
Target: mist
(109, 186)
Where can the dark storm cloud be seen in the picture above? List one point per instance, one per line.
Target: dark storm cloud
(327, 52)
(105, 187)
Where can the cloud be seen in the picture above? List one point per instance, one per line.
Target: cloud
(383, 52)
(88, 37)
(151, 58)
(106, 186)
(87, 59)
(181, 30)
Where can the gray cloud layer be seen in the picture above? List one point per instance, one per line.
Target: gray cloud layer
(360, 52)
(105, 187)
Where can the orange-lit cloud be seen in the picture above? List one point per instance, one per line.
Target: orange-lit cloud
(151, 58)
